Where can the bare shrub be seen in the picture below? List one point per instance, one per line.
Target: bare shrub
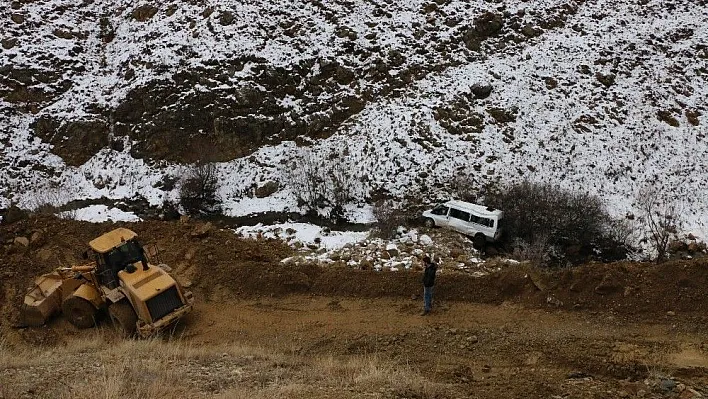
(307, 180)
(198, 193)
(661, 216)
(392, 213)
(466, 188)
(536, 252)
(52, 199)
(620, 240)
(170, 210)
(339, 189)
(320, 182)
(623, 231)
(388, 218)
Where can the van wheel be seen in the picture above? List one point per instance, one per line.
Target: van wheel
(479, 241)
(80, 312)
(429, 223)
(123, 317)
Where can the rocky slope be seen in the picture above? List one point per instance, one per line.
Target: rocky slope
(107, 99)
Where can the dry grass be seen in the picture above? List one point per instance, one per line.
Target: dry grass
(99, 365)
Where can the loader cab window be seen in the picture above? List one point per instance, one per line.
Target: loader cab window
(128, 253)
(115, 260)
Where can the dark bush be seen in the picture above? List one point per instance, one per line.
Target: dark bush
(533, 210)
(550, 219)
(170, 211)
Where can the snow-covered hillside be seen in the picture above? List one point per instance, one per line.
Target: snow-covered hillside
(111, 98)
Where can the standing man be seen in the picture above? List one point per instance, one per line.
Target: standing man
(428, 283)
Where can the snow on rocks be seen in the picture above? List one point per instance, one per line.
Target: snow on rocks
(100, 213)
(357, 250)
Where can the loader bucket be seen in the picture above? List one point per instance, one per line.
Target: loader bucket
(42, 300)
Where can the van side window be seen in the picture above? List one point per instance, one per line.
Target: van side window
(458, 214)
(440, 210)
(483, 221)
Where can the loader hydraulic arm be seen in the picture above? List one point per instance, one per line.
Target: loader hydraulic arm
(80, 269)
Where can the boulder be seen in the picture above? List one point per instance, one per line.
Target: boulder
(608, 286)
(144, 12)
(226, 18)
(667, 117)
(425, 240)
(481, 90)
(488, 24)
(607, 79)
(202, 230)
(529, 30)
(14, 214)
(37, 238)
(17, 18)
(44, 254)
(9, 43)
(267, 189)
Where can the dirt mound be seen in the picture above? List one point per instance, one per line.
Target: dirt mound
(219, 265)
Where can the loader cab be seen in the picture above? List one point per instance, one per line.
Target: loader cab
(115, 251)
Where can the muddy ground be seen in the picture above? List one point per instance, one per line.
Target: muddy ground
(597, 331)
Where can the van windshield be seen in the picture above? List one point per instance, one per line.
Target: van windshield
(440, 210)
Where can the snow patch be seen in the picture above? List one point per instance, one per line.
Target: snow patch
(101, 213)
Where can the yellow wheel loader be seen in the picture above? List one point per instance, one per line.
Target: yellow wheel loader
(139, 297)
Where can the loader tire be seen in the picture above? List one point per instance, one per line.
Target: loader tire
(80, 312)
(123, 317)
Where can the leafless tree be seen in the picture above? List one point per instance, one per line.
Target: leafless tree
(388, 218)
(661, 216)
(320, 182)
(306, 176)
(198, 193)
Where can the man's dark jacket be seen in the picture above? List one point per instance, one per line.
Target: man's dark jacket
(429, 275)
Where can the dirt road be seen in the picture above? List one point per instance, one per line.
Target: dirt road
(343, 347)
(483, 351)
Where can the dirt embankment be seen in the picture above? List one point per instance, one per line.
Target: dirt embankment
(219, 265)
